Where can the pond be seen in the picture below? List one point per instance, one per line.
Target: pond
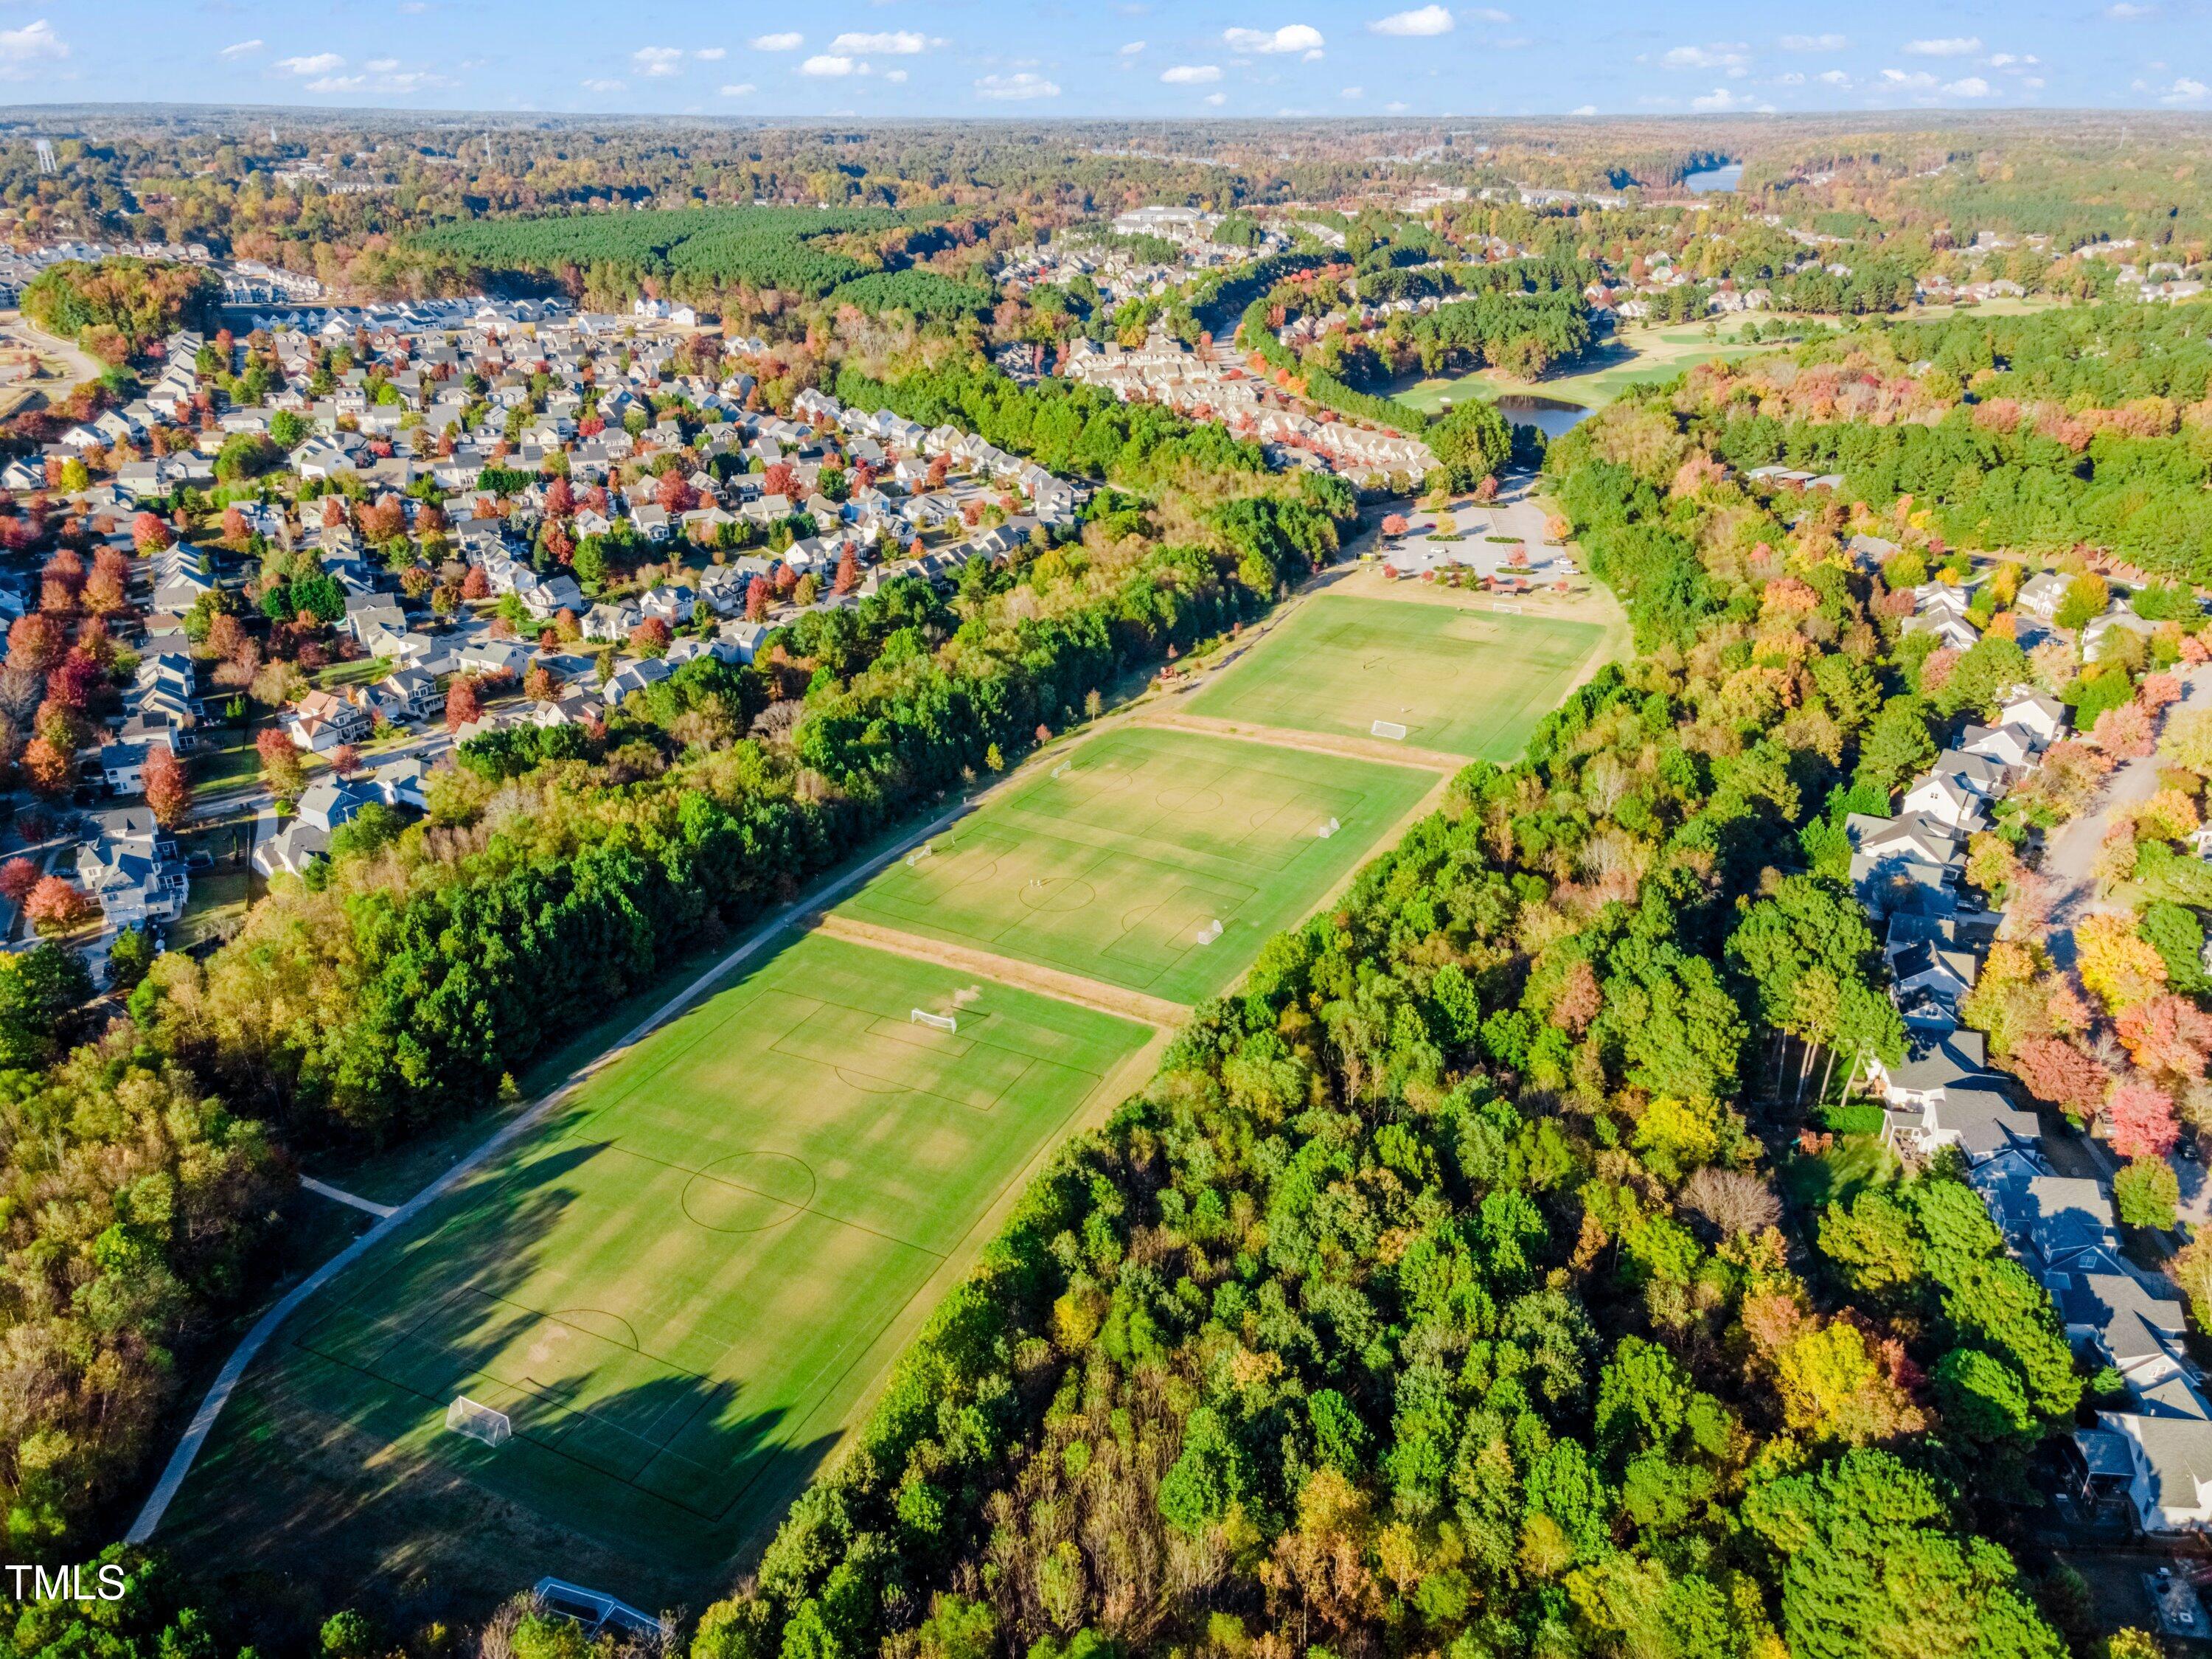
(1707, 180)
(1549, 416)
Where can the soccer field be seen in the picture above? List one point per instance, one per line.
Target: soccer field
(1118, 863)
(670, 1289)
(1467, 682)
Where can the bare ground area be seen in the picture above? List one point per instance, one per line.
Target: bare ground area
(1022, 975)
(1313, 742)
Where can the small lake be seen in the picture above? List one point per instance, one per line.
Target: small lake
(1711, 179)
(1554, 418)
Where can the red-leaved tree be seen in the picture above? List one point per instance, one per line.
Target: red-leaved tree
(2141, 1120)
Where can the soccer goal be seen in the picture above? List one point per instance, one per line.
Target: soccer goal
(918, 855)
(464, 1416)
(1390, 729)
(1328, 830)
(1211, 932)
(940, 1022)
(1060, 770)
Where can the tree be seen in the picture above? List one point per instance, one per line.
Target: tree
(848, 573)
(2061, 1072)
(2116, 963)
(756, 600)
(45, 767)
(40, 988)
(148, 534)
(2086, 596)
(463, 705)
(2167, 1033)
(1867, 1565)
(129, 955)
(2147, 1193)
(280, 763)
(17, 878)
(1897, 745)
(2141, 1121)
(345, 760)
(58, 906)
(168, 791)
(1471, 443)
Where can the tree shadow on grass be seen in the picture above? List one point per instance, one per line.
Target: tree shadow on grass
(332, 1481)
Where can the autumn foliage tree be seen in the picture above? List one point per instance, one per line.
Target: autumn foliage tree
(58, 906)
(168, 791)
(280, 763)
(2140, 1121)
(463, 705)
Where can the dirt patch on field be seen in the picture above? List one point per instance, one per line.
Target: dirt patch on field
(1023, 975)
(1313, 742)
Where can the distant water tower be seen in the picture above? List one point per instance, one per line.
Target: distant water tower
(47, 163)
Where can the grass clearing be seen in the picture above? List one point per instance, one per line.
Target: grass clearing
(672, 1286)
(1467, 682)
(1117, 863)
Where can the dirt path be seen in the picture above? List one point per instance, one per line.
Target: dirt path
(1023, 975)
(1313, 742)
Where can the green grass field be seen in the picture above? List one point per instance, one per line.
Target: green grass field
(1467, 682)
(670, 1289)
(1114, 864)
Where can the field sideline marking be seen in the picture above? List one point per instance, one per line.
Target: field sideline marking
(1374, 750)
(338, 1196)
(250, 1345)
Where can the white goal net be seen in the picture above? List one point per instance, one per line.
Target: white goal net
(464, 1416)
(1388, 729)
(1209, 932)
(940, 1022)
(1060, 770)
(917, 855)
(1329, 829)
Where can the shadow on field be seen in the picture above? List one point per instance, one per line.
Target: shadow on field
(331, 1481)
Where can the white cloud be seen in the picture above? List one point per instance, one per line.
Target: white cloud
(1396, 107)
(1191, 75)
(1423, 19)
(1834, 77)
(1490, 14)
(895, 43)
(1730, 58)
(1354, 92)
(711, 54)
(896, 77)
(1971, 86)
(2183, 91)
(1956, 46)
(1813, 43)
(1792, 78)
(742, 89)
(656, 60)
(1217, 99)
(1583, 109)
(1291, 36)
(1917, 81)
(1721, 99)
(382, 65)
(826, 63)
(241, 48)
(2126, 12)
(606, 86)
(321, 63)
(338, 83)
(1130, 50)
(1016, 88)
(791, 41)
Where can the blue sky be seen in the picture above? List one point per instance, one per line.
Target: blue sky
(1131, 59)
